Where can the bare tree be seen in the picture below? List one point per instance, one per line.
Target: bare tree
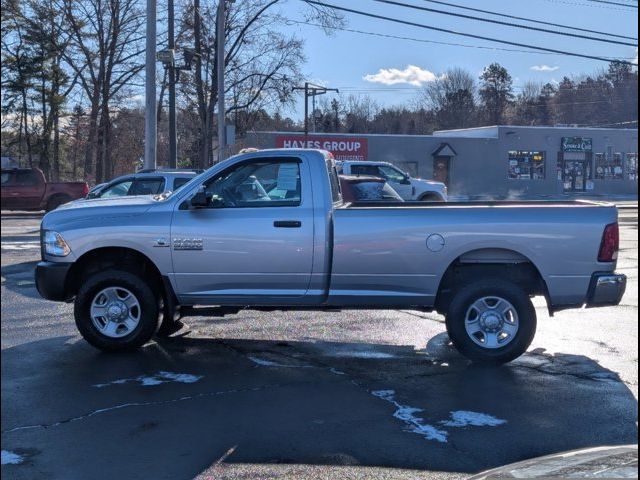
(451, 97)
(105, 52)
(261, 62)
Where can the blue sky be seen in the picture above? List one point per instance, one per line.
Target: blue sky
(362, 64)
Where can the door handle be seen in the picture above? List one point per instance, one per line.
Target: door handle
(287, 224)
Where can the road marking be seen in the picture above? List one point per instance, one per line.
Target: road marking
(10, 458)
(20, 245)
(155, 379)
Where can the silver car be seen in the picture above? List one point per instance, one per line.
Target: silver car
(144, 182)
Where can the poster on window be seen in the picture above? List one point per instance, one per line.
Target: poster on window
(526, 165)
(632, 166)
(609, 167)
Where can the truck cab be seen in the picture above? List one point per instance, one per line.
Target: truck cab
(408, 187)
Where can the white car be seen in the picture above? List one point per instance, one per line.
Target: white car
(408, 188)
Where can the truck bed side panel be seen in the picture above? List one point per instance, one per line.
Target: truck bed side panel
(381, 254)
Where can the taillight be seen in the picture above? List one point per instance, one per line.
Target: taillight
(610, 243)
(85, 190)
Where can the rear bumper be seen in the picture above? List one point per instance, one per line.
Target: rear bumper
(606, 289)
(51, 279)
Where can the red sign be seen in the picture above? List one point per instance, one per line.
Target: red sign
(342, 148)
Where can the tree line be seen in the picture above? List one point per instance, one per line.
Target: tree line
(456, 99)
(72, 77)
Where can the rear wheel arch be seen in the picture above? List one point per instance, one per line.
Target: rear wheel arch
(430, 197)
(502, 263)
(56, 200)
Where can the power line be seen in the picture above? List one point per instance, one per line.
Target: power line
(529, 19)
(500, 22)
(588, 5)
(471, 35)
(421, 40)
(614, 3)
(398, 37)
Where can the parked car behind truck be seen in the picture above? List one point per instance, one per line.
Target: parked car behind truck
(27, 189)
(144, 182)
(407, 187)
(297, 245)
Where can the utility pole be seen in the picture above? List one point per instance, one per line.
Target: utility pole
(220, 34)
(173, 141)
(150, 124)
(311, 90)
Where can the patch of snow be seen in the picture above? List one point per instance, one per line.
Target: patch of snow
(363, 354)
(464, 418)
(268, 363)
(408, 415)
(10, 458)
(155, 379)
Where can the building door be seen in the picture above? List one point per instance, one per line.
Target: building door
(575, 175)
(441, 169)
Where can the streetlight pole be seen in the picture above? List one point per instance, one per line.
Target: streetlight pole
(173, 142)
(220, 34)
(150, 124)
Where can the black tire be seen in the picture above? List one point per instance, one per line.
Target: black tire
(149, 310)
(56, 201)
(462, 300)
(431, 197)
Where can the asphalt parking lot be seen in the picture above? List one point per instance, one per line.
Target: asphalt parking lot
(357, 394)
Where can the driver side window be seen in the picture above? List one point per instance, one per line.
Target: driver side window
(119, 189)
(261, 183)
(392, 175)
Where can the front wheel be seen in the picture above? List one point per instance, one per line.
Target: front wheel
(491, 321)
(116, 310)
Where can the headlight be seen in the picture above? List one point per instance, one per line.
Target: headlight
(54, 244)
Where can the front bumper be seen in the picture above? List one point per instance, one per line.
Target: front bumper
(51, 279)
(606, 289)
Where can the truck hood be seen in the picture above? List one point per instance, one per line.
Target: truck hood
(97, 208)
(138, 200)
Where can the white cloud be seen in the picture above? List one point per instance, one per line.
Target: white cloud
(544, 68)
(412, 75)
(635, 59)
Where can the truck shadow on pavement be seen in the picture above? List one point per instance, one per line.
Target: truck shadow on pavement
(20, 278)
(185, 406)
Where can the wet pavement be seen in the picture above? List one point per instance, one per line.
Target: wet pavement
(353, 394)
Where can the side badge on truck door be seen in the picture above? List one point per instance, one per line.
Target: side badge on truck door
(187, 244)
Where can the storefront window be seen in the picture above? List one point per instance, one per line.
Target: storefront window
(632, 166)
(609, 166)
(525, 165)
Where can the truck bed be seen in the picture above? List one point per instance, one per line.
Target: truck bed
(479, 204)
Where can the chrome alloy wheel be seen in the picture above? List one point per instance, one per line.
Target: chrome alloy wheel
(115, 312)
(491, 322)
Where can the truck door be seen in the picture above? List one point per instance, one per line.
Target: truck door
(23, 190)
(253, 240)
(398, 181)
(10, 193)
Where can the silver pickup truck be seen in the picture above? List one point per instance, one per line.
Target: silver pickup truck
(269, 230)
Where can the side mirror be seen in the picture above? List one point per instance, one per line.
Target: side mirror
(200, 199)
(406, 181)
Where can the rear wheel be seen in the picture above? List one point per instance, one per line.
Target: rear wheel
(116, 310)
(492, 321)
(431, 197)
(55, 202)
